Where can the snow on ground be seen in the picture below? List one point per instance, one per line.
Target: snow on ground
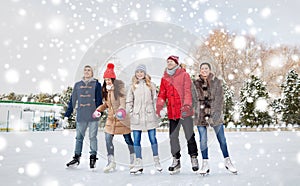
(39, 158)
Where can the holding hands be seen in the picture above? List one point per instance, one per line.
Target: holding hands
(96, 114)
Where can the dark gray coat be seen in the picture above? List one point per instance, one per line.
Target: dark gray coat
(216, 101)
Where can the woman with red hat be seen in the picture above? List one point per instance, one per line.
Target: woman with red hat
(113, 92)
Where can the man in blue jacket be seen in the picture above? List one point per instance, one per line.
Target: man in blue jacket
(88, 96)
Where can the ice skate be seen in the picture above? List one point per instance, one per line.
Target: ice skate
(132, 160)
(204, 168)
(138, 167)
(175, 167)
(111, 164)
(74, 162)
(195, 164)
(93, 160)
(157, 164)
(229, 166)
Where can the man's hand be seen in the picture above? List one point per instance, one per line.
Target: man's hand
(65, 122)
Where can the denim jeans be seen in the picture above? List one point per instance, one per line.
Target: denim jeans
(110, 146)
(219, 130)
(137, 142)
(80, 133)
(188, 128)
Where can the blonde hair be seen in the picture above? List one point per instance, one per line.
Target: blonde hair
(147, 79)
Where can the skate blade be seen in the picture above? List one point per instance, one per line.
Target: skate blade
(174, 172)
(195, 169)
(204, 174)
(137, 172)
(93, 169)
(71, 166)
(235, 173)
(159, 170)
(109, 170)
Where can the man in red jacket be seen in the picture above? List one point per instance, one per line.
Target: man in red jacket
(175, 89)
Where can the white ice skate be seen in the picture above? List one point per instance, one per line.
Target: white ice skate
(157, 164)
(111, 164)
(229, 166)
(204, 168)
(132, 160)
(138, 167)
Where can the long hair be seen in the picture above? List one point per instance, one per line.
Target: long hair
(104, 90)
(135, 81)
(118, 85)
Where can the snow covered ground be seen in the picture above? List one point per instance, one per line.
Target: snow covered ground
(38, 158)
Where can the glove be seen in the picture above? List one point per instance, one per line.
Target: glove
(120, 114)
(96, 114)
(186, 110)
(158, 110)
(158, 113)
(65, 122)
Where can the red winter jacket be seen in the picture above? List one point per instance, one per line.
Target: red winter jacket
(176, 90)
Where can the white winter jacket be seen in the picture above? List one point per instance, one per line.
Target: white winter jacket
(140, 103)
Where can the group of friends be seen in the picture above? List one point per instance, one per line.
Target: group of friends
(189, 103)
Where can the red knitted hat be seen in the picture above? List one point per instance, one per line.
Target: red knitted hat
(174, 58)
(109, 72)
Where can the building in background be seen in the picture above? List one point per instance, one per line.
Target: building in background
(29, 116)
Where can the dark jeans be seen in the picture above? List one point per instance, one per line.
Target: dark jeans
(188, 128)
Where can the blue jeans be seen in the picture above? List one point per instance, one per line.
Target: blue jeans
(219, 130)
(80, 133)
(137, 142)
(110, 146)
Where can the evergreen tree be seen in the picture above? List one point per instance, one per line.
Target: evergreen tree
(254, 106)
(277, 109)
(228, 104)
(65, 98)
(291, 98)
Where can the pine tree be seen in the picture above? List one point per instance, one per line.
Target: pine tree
(277, 109)
(254, 98)
(228, 104)
(65, 98)
(291, 98)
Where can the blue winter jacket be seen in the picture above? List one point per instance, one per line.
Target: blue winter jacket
(88, 95)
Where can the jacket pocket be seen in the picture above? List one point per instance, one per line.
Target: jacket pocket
(151, 115)
(134, 118)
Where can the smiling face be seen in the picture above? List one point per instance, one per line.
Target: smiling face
(108, 81)
(171, 64)
(204, 71)
(87, 73)
(139, 74)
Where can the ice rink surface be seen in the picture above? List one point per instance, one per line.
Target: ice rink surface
(39, 158)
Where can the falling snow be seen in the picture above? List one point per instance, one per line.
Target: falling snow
(43, 44)
(253, 153)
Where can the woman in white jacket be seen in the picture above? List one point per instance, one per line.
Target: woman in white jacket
(140, 102)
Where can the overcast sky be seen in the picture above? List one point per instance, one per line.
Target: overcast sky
(43, 43)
